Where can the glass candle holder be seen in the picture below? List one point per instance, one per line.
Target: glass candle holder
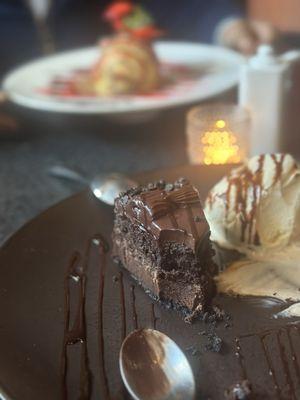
(217, 134)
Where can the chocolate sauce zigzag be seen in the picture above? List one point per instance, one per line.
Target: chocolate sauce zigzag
(75, 331)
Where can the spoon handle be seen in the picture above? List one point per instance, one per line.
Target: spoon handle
(65, 173)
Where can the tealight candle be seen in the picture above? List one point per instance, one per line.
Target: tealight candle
(217, 134)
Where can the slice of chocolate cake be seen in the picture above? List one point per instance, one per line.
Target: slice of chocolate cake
(162, 238)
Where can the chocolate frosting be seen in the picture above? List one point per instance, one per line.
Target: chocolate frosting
(170, 212)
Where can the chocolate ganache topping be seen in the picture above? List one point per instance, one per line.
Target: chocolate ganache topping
(168, 211)
(161, 202)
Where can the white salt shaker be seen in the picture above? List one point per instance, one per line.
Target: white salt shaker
(264, 86)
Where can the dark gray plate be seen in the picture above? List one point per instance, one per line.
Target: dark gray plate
(33, 309)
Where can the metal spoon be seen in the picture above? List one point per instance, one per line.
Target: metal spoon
(106, 187)
(153, 367)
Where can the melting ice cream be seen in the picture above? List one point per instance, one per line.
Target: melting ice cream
(256, 210)
(257, 205)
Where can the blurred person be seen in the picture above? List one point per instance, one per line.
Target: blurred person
(75, 23)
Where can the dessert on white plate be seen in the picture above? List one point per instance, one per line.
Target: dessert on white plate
(127, 64)
(255, 209)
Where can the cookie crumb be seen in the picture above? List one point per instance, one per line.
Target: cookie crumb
(214, 344)
(169, 187)
(239, 391)
(192, 350)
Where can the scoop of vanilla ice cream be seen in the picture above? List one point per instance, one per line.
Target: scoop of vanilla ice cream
(257, 205)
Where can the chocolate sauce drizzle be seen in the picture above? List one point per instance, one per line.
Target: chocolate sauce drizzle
(294, 358)
(278, 165)
(240, 358)
(209, 200)
(270, 365)
(282, 348)
(134, 313)
(103, 376)
(153, 316)
(78, 332)
(287, 373)
(123, 321)
(123, 308)
(75, 332)
(244, 182)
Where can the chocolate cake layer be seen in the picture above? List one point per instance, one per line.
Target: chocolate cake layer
(161, 237)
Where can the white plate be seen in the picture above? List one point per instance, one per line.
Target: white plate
(220, 66)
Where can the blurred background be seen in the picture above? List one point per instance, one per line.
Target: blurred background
(32, 141)
(26, 25)
(75, 23)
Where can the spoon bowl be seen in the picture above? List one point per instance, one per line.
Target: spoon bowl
(153, 367)
(106, 187)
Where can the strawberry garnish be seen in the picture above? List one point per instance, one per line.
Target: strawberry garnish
(133, 19)
(147, 32)
(118, 10)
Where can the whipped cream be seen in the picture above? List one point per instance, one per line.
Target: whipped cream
(256, 210)
(257, 205)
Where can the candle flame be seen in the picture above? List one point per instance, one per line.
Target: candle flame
(220, 124)
(220, 146)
